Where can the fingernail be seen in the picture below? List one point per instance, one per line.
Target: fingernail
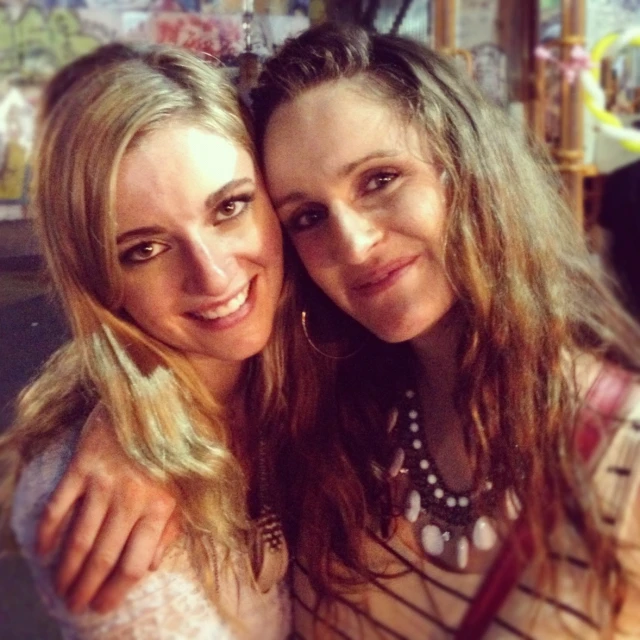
(157, 559)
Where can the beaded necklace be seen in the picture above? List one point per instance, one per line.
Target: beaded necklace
(447, 524)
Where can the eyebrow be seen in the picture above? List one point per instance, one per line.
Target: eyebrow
(210, 202)
(224, 192)
(139, 232)
(343, 172)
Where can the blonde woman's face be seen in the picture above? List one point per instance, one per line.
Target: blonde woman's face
(199, 244)
(354, 187)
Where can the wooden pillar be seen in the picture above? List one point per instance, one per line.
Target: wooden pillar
(518, 36)
(570, 153)
(444, 25)
(536, 113)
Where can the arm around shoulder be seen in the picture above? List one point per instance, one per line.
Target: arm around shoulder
(168, 603)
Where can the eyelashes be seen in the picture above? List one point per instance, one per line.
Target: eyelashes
(306, 219)
(226, 211)
(372, 185)
(233, 207)
(379, 181)
(142, 252)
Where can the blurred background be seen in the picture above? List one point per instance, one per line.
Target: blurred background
(568, 72)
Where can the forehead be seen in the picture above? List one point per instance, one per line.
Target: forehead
(333, 125)
(175, 167)
(178, 140)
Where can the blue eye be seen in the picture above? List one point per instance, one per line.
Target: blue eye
(142, 252)
(233, 207)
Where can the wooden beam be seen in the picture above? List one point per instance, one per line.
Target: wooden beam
(570, 153)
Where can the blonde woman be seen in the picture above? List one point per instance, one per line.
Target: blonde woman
(509, 370)
(163, 246)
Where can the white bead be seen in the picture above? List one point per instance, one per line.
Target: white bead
(424, 464)
(438, 493)
(484, 535)
(410, 393)
(431, 479)
(513, 504)
(417, 444)
(412, 509)
(451, 501)
(463, 501)
(432, 541)
(396, 465)
(414, 427)
(463, 552)
(488, 485)
(413, 414)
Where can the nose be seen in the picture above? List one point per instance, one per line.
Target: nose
(210, 267)
(355, 233)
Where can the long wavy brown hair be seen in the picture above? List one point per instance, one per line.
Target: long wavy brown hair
(92, 113)
(532, 297)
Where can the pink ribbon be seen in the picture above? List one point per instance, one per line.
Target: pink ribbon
(579, 61)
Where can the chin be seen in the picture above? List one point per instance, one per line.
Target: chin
(247, 348)
(391, 335)
(399, 332)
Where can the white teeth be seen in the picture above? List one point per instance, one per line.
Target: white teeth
(226, 309)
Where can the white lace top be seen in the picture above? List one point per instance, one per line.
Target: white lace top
(167, 604)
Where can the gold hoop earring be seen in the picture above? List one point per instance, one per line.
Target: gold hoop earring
(305, 329)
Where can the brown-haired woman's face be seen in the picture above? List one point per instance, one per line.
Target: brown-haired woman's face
(199, 244)
(354, 187)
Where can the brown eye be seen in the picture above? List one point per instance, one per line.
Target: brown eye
(142, 252)
(379, 181)
(233, 207)
(306, 219)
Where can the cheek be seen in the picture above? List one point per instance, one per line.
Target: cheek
(423, 218)
(324, 274)
(314, 249)
(146, 299)
(270, 245)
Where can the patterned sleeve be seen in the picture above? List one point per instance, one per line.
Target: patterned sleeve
(618, 477)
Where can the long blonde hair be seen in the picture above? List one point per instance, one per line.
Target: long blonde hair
(523, 276)
(92, 113)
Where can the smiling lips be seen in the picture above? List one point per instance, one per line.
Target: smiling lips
(226, 309)
(378, 280)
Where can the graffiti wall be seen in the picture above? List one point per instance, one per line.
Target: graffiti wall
(38, 38)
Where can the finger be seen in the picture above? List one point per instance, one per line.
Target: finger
(105, 556)
(80, 539)
(169, 536)
(134, 564)
(57, 511)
